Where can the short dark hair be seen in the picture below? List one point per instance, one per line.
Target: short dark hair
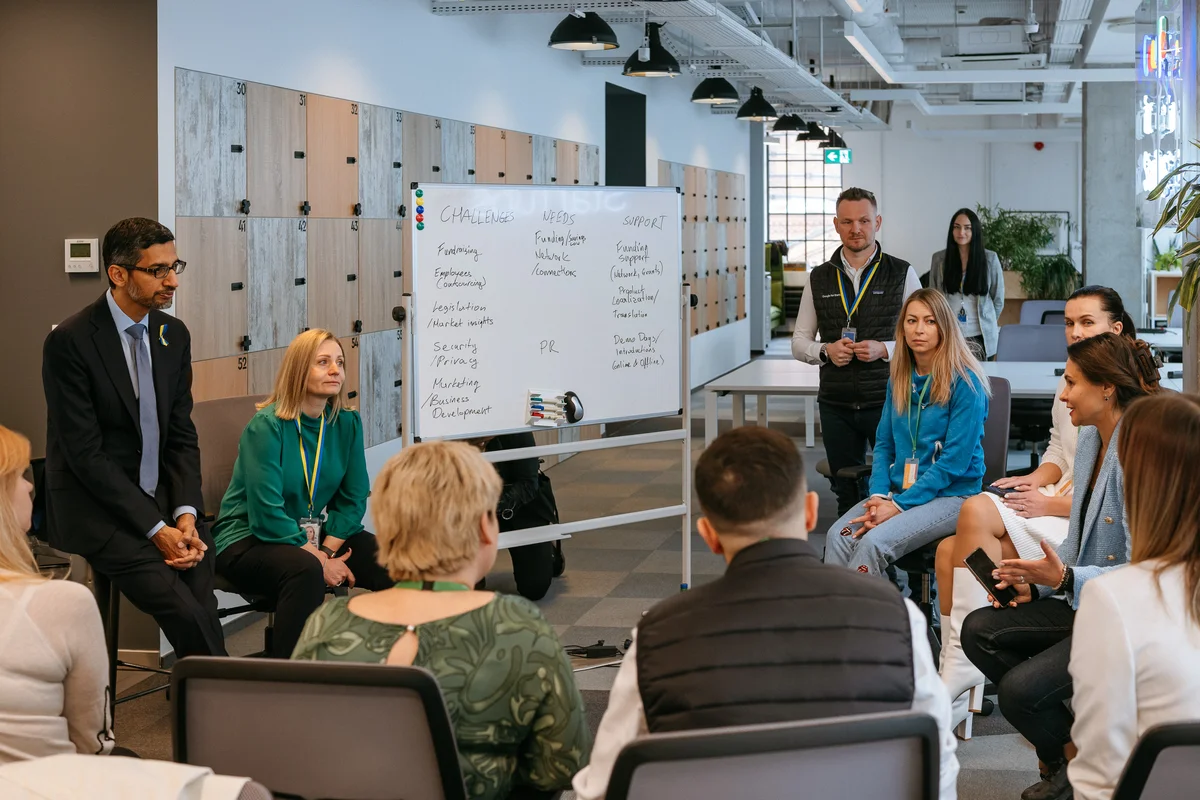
(749, 475)
(854, 193)
(125, 241)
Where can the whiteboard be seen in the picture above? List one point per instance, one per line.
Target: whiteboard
(550, 289)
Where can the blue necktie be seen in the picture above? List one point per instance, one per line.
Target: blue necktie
(147, 409)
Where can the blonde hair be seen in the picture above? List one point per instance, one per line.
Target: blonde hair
(951, 358)
(426, 503)
(291, 382)
(15, 555)
(1159, 436)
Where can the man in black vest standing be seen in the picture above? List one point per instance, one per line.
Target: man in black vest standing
(852, 301)
(788, 637)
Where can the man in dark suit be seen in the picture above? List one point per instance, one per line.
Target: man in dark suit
(122, 459)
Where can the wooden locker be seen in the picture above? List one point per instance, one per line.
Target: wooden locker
(332, 158)
(212, 294)
(422, 149)
(400, 190)
(458, 152)
(276, 151)
(381, 394)
(210, 144)
(218, 378)
(716, 301)
(703, 264)
(264, 366)
(277, 291)
(691, 189)
(333, 275)
(688, 235)
(352, 352)
(380, 272)
(695, 316)
(380, 161)
(566, 170)
(716, 257)
(702, 307)
(664, 173)
(489, 154)
(545, 159)
(710, 196)
(678, 175)
(589, 168)
(731, 284)
(518, 157)
(741, 294)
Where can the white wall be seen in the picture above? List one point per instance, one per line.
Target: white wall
(921, 179)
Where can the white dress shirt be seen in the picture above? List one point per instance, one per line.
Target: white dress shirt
(128, 343)
(1135, 663)
(625, 719)
(805, 345)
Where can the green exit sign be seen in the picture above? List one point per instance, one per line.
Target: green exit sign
(837, 155)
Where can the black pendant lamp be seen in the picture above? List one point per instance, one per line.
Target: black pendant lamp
(812, 133)
(651, 60)
(583, 31)
(715, 91)
(757, 109)
(788, 123)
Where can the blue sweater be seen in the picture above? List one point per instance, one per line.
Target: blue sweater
(958, 427)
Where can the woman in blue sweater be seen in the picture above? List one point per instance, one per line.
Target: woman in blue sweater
(928, 447)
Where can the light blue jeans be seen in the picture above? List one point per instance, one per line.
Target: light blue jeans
(879, 547)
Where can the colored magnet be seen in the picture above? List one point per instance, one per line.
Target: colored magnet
(420, 226)
(420, 217)
(420, 209)
(420, 193)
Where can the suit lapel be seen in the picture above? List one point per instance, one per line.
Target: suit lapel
(161, 362)
(112, 355)
(1106, 467)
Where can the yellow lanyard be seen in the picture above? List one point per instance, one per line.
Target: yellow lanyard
(920, 400)
(311, 484)
(862, 290)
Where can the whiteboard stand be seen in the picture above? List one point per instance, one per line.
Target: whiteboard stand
(550, 533)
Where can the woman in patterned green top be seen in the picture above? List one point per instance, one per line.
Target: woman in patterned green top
(517, 715)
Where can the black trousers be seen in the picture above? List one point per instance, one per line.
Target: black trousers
(1025, 652)
(181, 601)
(293, 581)
(533, 568)
(847, 433)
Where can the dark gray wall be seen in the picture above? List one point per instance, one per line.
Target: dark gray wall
(78, 151)
(624, 137)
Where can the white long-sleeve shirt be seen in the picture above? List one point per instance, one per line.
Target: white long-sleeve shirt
(625, 718)
(805, 346)
(1135, 663)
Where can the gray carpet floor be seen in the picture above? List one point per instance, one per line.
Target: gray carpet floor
(614, 575)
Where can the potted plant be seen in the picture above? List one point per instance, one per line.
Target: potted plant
(1166, 260)
(1181, 210)
(1017, 238)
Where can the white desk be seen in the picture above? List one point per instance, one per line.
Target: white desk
(778, 376)
(1169, 341)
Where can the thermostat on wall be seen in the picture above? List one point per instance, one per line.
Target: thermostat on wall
(82, 255)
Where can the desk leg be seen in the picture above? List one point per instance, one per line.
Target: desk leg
(810, 421)
(739, 409)
(710, 417)
(761, 410)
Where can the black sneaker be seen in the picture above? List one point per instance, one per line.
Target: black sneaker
(1054, 785)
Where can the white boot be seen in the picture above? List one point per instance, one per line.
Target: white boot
(957, 671)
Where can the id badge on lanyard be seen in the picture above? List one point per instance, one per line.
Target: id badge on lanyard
(851, 307)
(311, 524)
(911, 465)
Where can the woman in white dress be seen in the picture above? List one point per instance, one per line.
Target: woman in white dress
(1027, 510)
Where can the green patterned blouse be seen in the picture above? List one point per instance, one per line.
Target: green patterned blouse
(517, 714)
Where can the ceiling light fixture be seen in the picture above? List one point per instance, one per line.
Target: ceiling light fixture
(583, 31)
(789, 123)
(757, 109)
(651, 60)
(813, 133)
(715, 91)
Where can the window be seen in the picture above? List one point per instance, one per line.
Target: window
(802, 195)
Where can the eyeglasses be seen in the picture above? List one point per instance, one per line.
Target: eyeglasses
(158, 272)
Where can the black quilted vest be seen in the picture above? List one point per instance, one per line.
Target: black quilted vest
(779, 637)
(859, 384)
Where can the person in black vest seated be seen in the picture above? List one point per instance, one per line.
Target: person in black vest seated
(852, 301)
(772, 612)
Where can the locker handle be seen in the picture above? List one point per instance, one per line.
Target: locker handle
(396, 384)
(500, 174)
(358, 209)
(403, 210)
(554, 180)
(436, 169)
(595, 183)
(397, 274)
(244, 206)
(301, 281)
(695, 301)
(305, 208)
(351, 395)
(352, 277)
(298, 154)
(236, 148)
(577, 180)
(351, 160)
(236, 287)
(396, 165)
(470, 172)
(246, 344)
(358, 326)
(528, 177)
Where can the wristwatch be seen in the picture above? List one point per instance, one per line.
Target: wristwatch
(326, 551)
(822, 356)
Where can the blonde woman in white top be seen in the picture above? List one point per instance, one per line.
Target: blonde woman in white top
(53, 663)
(1135, 650)
(1036, 508)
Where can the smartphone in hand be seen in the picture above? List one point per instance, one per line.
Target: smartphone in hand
(981, 566)
(996, 490)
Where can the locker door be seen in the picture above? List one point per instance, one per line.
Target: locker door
(380, 267)
(691, 193)
(278, 294)
(703, 264)
(332, 158)
(351, 387)
(264, 366)
(664, 173)
(741, 294)
(566, 171)
(544, 159)
(379, 159)
(422, 149)
(399, 187)
(710, 197)
(690, 271)
(218, 378)
(518, 157)
(716, 302)
(276, 164)
(589, 165)
(458, 152)
(381, 392)
(333, 275)
(210, 143)
(212, 294)
(489, 154)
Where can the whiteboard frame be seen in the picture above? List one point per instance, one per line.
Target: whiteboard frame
(412, 379)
